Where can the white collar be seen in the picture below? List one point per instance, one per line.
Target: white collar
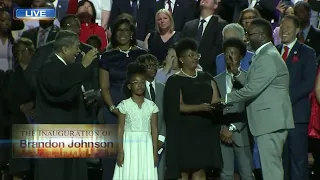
(60, 58)
(259, 49)
(153, 83)
(207, 18)
(290, 45)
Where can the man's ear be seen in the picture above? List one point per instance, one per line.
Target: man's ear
(129, 86)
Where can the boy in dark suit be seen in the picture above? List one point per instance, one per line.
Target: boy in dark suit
(154, 92)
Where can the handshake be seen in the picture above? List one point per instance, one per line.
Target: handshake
(91, 96)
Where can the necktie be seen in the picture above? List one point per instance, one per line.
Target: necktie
(200, 30)
(169, 6)
(301, 37)
(285, 53)
(134, 7)
(152, 93)
(42, 37)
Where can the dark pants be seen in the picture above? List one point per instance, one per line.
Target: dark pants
(314, 147)
(295, 154)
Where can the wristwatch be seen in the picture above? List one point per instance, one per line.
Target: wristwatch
(112, 108)
(232, 128)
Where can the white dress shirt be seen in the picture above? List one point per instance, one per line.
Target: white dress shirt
(290, 46)
(160, 137)
(252, 3)
(166, 5)
(60, 58)
(205, 23)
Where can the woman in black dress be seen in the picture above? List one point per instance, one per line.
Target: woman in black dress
(193, 131)
(113, 73)
(159, 42)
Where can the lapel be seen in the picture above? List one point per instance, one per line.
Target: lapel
(52, 33)
(310, 35)
(159, 5)
(158, 94)
(194, 28)
(35, 36)
(293, 51)
(146, 94)
(223, 86)
(255, 57)
(176, 7)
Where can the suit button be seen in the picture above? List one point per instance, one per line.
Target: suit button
(227, 109)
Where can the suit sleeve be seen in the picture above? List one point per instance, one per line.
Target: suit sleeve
(240, 125)
(162, 130)
(309, 73)
(264, 74)
(242, 77)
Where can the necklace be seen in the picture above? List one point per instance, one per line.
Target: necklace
(125, 52)
(188, 74)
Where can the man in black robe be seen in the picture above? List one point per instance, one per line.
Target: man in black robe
(70, 23)
(60, 101)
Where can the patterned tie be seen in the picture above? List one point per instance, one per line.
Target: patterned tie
(169, 6)
(285, 53)
(200, 30)
(301, 37)
(134, 7)
(42, 37)
(152, 93)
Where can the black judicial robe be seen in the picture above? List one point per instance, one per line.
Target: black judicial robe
(41, 56)
(60, 101)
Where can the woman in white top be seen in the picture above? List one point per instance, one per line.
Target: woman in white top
(103, 8)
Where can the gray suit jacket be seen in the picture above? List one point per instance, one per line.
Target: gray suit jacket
(159, 102)
(240, 137)
(266, 93)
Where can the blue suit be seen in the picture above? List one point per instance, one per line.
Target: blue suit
(302, 66)
(221, 64)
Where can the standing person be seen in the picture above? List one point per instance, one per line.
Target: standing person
(302, 65)
(193, 130)
(231, 31)
(207, 30)
(154, 93)
(112, 75)
(235, 144)
(60, 101)
(308, 34)
(266, 93)
(137, 130)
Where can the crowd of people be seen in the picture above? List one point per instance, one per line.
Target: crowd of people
(198, 91)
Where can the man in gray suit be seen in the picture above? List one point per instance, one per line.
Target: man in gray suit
(154, 92)
(266, 94)
(234, 130)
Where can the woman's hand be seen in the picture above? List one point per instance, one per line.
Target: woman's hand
(155, 158)
(205, 107)
(120, 159)
(115, 111)
(26, 107)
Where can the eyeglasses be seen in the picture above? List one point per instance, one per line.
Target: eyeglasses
(138, 82)
(197, 56)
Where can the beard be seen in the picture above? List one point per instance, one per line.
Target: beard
(85, 17)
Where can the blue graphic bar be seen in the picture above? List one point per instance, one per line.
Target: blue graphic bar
(35, 14)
